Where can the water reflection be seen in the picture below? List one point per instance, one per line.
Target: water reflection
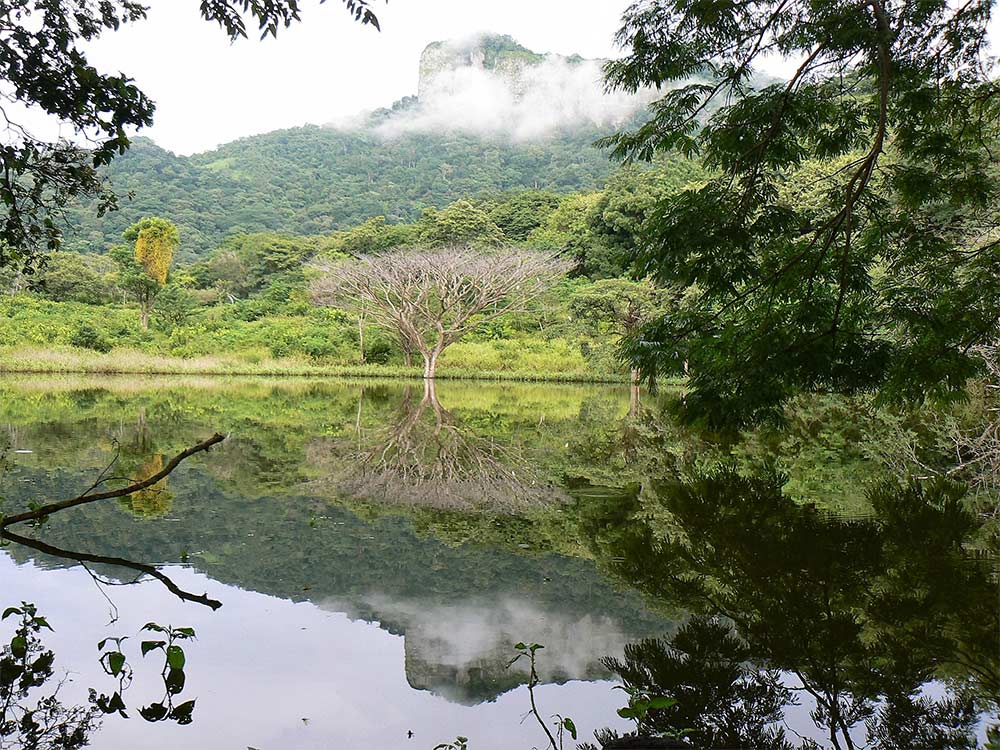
(884, 627)
(27, 669)
(462, 650)
(421, 532)
(423, 455)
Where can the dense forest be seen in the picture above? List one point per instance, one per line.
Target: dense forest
(315, 180)
(245, 301)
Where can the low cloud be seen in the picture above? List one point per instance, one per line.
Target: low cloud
(523, 102)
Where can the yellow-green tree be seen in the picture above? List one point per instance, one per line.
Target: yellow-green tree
(143, 267)
(154, 501)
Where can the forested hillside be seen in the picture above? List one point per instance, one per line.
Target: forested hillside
(536, 133)
(313, 180)
(241, 229)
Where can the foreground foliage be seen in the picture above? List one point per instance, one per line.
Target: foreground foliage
(871, 267)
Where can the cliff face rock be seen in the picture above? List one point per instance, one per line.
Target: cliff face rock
(500, 55)
(492, 86)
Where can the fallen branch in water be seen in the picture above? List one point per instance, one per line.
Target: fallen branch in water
(90, 497)
(83, 557)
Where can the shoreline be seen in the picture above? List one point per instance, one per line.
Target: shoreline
(68, 362)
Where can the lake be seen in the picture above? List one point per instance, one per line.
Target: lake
(378, 549)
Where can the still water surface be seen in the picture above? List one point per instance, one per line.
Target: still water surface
(379, 549)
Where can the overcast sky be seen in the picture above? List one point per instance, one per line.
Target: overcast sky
(209, 91)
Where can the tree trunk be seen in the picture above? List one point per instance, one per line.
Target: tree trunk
(144, 317)
(406, 344)
(407, 347)
(361, 338)
(430, 363)
(634, 393)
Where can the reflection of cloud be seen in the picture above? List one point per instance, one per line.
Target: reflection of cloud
(461, 651)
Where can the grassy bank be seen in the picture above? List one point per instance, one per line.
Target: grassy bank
(42, 336)
(131, 362)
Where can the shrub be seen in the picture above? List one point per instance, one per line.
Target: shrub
(87, 337)
(379, 351)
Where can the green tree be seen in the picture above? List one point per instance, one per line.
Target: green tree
(460, 223)
(143, 268)
(886, 279)
(567, 230)
(44, 66)
(375, 236)
(76, 277)
(617, 218)
(519, 214)
(175, 305)
(620, 306)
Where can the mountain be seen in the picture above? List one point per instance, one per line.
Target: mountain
(490, 116)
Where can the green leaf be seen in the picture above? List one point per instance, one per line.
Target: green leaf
(41, 622)
(182, 714)
(570, 727)
(175, 657)
(148, 646)
(174, 681)
(153, 712)
(116, 662)
(661, 701)
(19, 646)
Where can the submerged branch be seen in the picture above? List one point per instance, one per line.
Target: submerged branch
(88, 497)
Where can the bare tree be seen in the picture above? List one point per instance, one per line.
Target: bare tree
(431, 298)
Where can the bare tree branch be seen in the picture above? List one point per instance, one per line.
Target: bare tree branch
(431, 298)
(88, 497)
(83, 557)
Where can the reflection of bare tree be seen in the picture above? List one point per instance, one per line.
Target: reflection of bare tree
(962, 443)
(427, 457)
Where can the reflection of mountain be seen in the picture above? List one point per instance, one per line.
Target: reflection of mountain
(462, 650)
(305, 549)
